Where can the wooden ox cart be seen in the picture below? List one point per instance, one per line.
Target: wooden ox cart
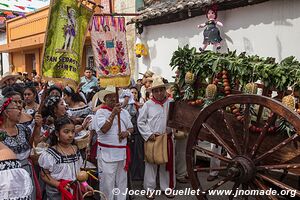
(259, 136)
(256, 160)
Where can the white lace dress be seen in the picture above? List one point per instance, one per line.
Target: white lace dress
(15, 182)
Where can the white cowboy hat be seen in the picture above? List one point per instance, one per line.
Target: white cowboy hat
(157, 83)
(8, 75)
(103, 93)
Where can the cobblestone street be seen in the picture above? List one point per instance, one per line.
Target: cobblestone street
(138, 185)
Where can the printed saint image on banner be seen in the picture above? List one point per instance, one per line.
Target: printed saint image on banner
(65, 37)
(108, 35)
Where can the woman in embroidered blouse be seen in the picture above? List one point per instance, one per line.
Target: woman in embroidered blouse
(18, 137)
(15, 181)
(61, 162)
(30, 95)
(76, 106)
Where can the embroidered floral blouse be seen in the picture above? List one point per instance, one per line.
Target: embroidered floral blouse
(19, 143)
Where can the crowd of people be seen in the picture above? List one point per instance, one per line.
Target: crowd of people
(35, 113)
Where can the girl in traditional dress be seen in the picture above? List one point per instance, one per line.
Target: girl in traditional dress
(54, 107)
(18, 137)
(15, 181)
(61, 163)
(211, 32)
(30, 95)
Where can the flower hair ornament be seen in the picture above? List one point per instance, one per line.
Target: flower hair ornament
(51, 100)
(4, 102)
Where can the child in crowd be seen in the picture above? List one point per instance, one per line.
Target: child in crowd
(61, 163)
(126, 98)
(146, 94)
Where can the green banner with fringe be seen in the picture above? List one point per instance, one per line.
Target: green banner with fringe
(67, 26)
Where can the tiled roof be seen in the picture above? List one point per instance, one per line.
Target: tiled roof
(159, 9)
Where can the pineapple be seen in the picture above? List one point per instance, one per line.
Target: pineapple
(251, 88)
(211, 91)
(289, 101)
(189, 78)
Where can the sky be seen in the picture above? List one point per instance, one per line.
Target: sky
(23, 5)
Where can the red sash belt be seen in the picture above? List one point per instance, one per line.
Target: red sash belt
(169, 164)
(38, 194)
(128, 159)
(65, 194)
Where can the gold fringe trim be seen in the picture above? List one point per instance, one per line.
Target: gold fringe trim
(63, 81)
(120, 81)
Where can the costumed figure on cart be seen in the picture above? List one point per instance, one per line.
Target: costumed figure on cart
(211, 32)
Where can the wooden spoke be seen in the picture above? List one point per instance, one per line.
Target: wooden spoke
(220, 183)
(278, 183)
(247, 118)
(210, 153)
(284, 174)
(253, 187)
(200, 169)
(245, 187)
(261, 186)
(259, 114)
(232, 132)
(234, 188)
(281, 166)
(262, 135)
(220, 140)
(261, 107)
(276, 148)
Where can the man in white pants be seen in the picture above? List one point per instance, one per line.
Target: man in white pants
(112, 152)
(152, 122)
(180, 152)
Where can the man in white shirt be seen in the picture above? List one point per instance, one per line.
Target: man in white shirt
(113, 152)
(152, 122)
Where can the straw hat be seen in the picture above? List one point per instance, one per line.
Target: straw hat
(148, 73)
(8, 75)
(157, 83)
(103, 93)
(149, 79)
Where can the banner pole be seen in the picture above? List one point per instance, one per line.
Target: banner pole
(119, 117)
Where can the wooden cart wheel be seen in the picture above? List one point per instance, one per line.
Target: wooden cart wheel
(259, 155)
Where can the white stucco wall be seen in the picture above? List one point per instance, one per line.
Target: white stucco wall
(5, 60)
(267, 29)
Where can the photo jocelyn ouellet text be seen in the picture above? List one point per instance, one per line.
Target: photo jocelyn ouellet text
(191, 192)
